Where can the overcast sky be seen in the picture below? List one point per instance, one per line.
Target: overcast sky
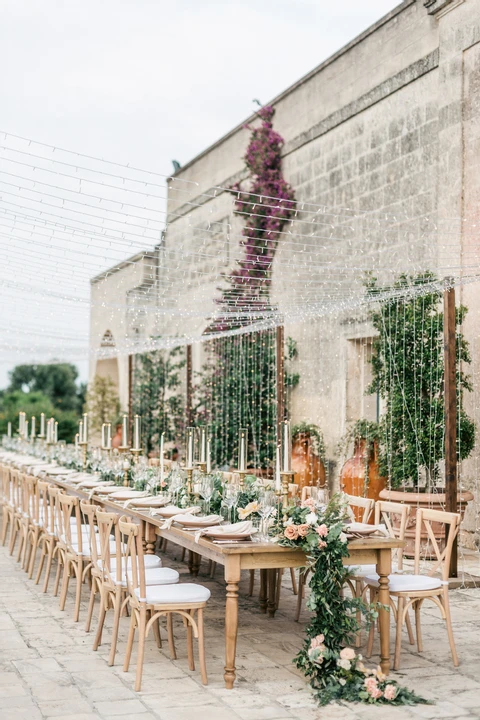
(147, 81)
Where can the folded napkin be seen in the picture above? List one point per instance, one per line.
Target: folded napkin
(140, 495)
(174, 510)
(357, 528)
(206, 520)
(239, 528)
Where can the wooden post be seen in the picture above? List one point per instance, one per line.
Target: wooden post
(450, 392)
(189, 409)
(280, 375)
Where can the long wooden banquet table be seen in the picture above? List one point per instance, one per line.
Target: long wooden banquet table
(266, 557)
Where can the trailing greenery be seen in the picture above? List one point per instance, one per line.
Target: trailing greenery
(158, 396)
(314, 433)
(103, 404)
(237, 388)
(333, 667)
(408, 373)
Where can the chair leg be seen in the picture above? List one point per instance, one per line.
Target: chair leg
(91, 604)
(448, 620)
(358, 593)
(408, 623)
(171, 639)
(371, 632)
(13, 536)
(40, 566)
(57, 575)
(141, 647)
(101, 620)
(418, 627)
(116, 626)
(78, 592)
(201, 647)
(191, 661)
(293, 578)
(5, 523)
(252, 582)
(398, 637)
(156, 633)
(33, 555)
(131, 637)
(65, 581)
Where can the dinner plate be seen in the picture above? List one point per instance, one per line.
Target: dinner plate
(358, 528)
(93, 483)
(199, 522)
(125, 494)
(59, 471)
(149, 502)
(171, 510)
(104, 489)
(215, 535)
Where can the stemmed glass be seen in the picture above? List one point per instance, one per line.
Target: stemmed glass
(267, 501)
(176, 483)
(207, 488)
(230, 497)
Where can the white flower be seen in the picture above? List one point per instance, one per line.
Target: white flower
(311, 518)
(342, 681)
(344, 664)
(288, 522)
(343, 538)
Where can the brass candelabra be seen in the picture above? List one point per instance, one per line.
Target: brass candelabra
(242, 474)
(84, 446)
(124, 449)
(189, 482)
(287, 478)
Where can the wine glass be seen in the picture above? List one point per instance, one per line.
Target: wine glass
(267, 501)
(207, 488)
(230, 497)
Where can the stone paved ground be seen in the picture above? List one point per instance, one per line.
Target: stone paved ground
(48, 670)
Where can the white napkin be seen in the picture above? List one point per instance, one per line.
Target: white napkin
(129, 502)
(357, 527)
(232, 529)
(207, 520)
(176, 510)
(181, 513)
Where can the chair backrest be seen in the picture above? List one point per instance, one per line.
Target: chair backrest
(309, 490)
(394, 516)
(88, 511)
(69, 506)
(364, 505)
(16, 489)
(6, 484)
(451, 523)
(293, 490)
(45, 510)
(31, 498)
(133, 558)
(54, 528)
(107, 522)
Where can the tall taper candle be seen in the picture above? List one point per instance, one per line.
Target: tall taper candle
(125, 431)
(242, 449)
(76, 440)
(108, 436)
(203, 445)
(80, 431)
(137, 432)
(55, 432)
(34, 427)
(190, 446)
(26, 429)
(9, 429)
(104, 436)
(209, 456)
(286, 447)
(162, 465)
(85, 427)
(42, 425)
(278, 478)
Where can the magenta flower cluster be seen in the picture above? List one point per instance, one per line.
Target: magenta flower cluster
(264, 209)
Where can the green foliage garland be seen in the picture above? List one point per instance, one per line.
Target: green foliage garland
(408, 373)
(334, 669)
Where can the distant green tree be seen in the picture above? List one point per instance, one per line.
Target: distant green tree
(33, 404)
(57, 381)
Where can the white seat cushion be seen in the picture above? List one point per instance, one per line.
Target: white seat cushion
(150, 561)
(360, 571)
(158, 576)
(181, 594)
(406, 583)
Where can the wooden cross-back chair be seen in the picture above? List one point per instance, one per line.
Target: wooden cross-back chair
(7, 501)
(363, 506)
(47, 542)
(149, 603)
(411, 590)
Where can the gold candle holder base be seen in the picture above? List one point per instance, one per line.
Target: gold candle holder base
(202, 466)
(286, 477)
(189, 482)
(136, 452)
(84, 446)
(242, 474)
(124, 449)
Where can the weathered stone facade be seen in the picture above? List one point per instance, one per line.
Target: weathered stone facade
(390, 123)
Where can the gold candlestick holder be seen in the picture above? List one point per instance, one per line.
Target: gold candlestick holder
(136, 452)
(287, 477)
(242, 474)
(189, 482)
(202, 466)
(84, 446)
(124, 449)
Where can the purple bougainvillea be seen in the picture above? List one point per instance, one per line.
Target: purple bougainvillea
(264, 208)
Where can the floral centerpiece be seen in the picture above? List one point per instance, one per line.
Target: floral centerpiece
(335, 670)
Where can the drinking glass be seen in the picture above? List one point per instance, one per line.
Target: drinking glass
(207, 488)
(267, 501)
(230, 497)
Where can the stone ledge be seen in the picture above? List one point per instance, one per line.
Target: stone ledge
(441, 7)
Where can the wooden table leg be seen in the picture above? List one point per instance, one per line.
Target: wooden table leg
(232, 578)
(272, 592)
(150, 539)
(263, 591)
(197, 559)
(384, 568)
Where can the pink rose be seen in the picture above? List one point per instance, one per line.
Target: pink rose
(317, 642)
(291, 532)
(347, 653)
(390, 692)
(376, 693)
(309, 503)
(322, 544)
(370, 684)
(303, 530)
(322, 530)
